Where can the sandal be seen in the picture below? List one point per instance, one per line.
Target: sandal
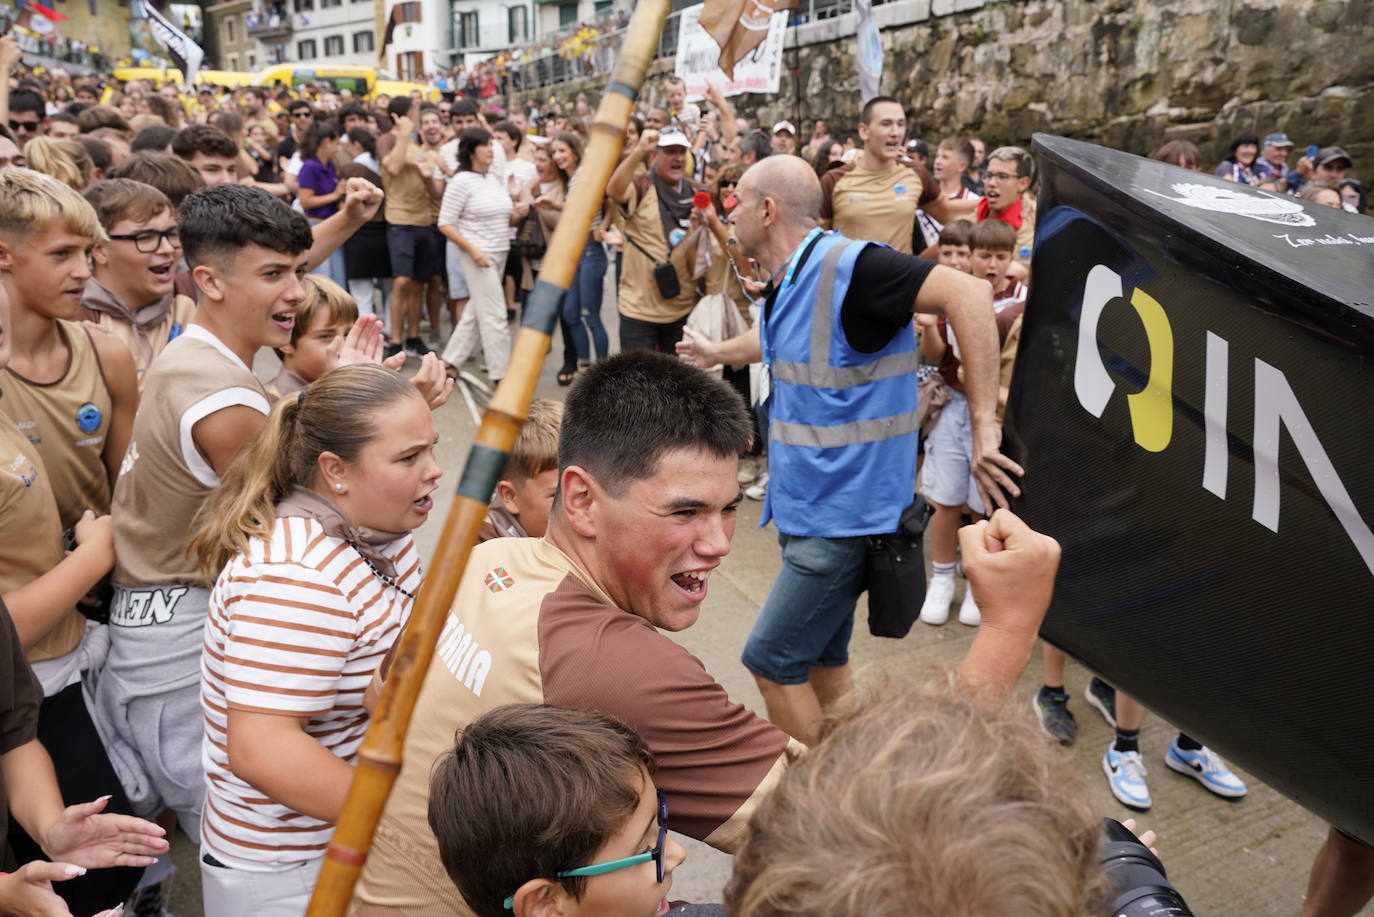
(565, 377)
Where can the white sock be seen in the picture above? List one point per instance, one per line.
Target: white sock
(940, 570)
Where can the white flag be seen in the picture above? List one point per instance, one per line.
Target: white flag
(184, 52)
(870, 56)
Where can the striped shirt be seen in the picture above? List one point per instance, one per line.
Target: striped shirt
(479, 205)
(297, 625)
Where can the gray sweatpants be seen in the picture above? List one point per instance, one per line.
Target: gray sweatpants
(147, 698)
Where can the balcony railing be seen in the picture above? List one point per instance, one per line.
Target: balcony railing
(270, 25)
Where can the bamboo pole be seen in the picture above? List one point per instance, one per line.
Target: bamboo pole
(379, 758)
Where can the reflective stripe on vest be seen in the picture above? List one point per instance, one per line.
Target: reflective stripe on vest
(818, 372)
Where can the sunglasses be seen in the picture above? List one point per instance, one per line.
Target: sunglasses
(29, 126)
(600, 869)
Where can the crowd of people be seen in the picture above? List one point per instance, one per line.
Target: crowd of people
(203, 573)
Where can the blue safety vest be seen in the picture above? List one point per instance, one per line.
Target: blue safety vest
(842, 423)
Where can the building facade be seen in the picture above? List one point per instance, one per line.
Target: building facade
(482, 28)
(235, 48)
(331, 33)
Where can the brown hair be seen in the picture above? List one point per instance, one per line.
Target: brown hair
(171, 114)
(536, 448)
(960, 147)
(321, 294)
(956, 232)
(922, 801)
(65, 160)
(116, 199)
(334, 414)
(1179, 153)
(172, 176)
(98, 116)
(992, 235)
(529, 791)
(1310, 191)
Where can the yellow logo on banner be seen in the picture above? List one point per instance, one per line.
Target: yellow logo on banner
(1151, 408)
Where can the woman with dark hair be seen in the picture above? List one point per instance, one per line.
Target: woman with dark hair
(1239, 164)
(319, 187)
(582, 304)
(476, 215)
(1353, 196)
(366, 256)
(829, 155)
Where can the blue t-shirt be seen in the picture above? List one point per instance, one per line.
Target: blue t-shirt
(321, 178)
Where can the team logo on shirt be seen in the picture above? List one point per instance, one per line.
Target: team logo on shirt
(899, 189)
(498, 580)
(175, 331)
(88, 418)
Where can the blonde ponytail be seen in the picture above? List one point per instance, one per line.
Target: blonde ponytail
(334, 414)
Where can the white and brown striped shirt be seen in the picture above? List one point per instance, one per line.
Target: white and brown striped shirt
(296, 626)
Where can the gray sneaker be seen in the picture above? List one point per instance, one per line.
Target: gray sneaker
(1052, 710)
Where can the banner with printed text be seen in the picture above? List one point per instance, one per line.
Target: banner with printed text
(698, 56)
(1191, 402)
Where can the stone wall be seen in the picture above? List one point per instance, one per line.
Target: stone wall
(1126, 73)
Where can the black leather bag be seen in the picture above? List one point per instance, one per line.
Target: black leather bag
(665, 275)
(895, 573)
(529, 241)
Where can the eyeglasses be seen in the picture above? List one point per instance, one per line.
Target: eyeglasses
(29, 126)
(303, 113)
(1002, 176)
(599, 869)
(150, 240)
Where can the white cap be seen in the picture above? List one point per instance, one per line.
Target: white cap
(673, 136)
(785, 126)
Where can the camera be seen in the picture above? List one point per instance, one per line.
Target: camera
(1139, 885)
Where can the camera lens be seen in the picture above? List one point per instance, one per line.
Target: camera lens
(1140, 886)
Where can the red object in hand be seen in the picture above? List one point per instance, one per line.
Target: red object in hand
(701, 200)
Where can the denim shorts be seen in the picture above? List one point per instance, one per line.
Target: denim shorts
(809, 613)
(946, 473)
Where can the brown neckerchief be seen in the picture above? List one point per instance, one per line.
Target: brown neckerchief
(368, 542)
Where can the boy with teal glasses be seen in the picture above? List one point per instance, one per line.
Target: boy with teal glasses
(541, 811)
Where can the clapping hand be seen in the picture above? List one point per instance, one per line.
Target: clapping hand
(433, 381)
(27, 892)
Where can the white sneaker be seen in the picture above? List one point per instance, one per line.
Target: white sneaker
(939, 593)
(748, 470)
(759, 489)
(968, 609)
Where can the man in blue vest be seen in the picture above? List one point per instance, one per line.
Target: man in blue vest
(836, 336)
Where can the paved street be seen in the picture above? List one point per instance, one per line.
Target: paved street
(1248, 857)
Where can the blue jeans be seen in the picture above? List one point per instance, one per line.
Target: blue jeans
(583, 301)
(808, 616)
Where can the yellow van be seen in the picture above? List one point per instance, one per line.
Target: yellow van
(357, 80)
(363, 82)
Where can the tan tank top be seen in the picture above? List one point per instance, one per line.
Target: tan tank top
(67, 422)
(164, 478)
(30, 534)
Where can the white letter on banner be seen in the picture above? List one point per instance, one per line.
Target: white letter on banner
(1214, 413)
(1276, 406)
(1090, 378)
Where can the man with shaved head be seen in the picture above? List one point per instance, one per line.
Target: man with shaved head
(836, 334)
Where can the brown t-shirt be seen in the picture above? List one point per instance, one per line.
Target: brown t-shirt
(67, 422)
(876, 205)
(164, 478)
(30, 533)
(638, 296)
(529, 626)
(20, 695)
(408, 201)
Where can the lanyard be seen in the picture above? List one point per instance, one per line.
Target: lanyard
(790, 264)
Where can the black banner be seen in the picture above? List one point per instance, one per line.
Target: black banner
(1193, 401)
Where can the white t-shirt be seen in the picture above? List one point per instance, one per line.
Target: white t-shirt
(480, 206)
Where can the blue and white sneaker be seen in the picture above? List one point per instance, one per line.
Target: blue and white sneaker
(1125, 772)
(1207, 768)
